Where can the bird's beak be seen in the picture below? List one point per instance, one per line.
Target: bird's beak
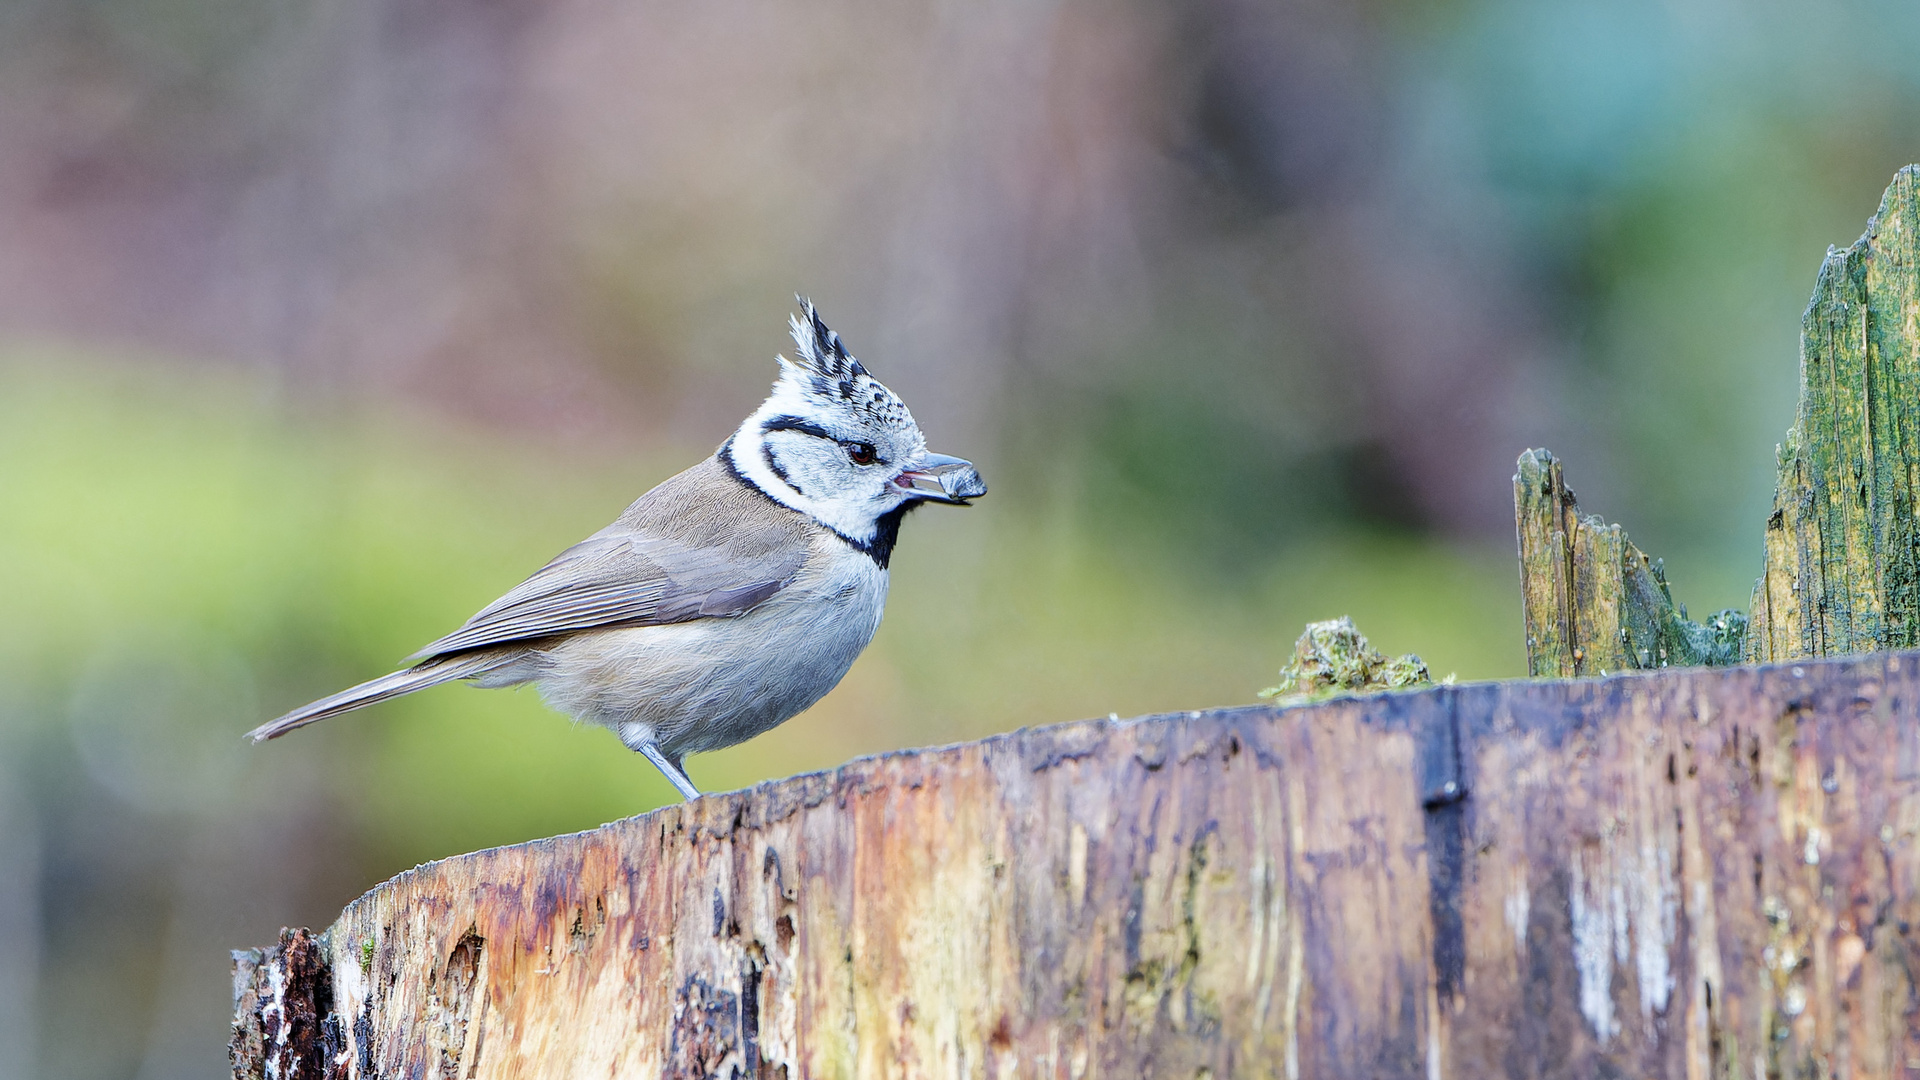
(955, 479)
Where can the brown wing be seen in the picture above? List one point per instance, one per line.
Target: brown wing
(707, 549)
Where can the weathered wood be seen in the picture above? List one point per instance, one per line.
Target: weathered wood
(285, 1025)
(1596, 604)
(1842, 565)
(1842, 572)
(1688, 873)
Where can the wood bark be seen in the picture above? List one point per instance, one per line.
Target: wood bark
(1687, 873)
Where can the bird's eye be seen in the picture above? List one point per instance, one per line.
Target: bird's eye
(859, 453)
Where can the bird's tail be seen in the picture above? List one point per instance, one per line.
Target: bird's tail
(406, 681)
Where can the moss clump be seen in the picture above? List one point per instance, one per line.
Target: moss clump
(1334, 658)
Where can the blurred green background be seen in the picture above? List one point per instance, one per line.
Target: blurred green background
(322, 325)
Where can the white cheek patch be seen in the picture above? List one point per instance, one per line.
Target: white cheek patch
(800, 462)
(802, 489)
(747, 453)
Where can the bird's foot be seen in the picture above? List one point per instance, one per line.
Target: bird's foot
(670, 766)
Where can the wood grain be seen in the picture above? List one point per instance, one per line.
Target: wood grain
(1594, 602)
(1687, 873)
(1842, 567)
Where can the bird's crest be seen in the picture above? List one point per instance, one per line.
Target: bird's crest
(826, 373)
(819, 347)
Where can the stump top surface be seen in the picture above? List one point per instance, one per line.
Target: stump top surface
(1661, 873)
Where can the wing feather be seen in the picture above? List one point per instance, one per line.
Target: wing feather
(623, 578)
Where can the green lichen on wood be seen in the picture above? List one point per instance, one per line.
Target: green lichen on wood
(1595, 603)
(1842, 553)
(1842, 570)
(1333, 657)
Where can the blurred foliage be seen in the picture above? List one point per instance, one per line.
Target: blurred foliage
(1672, 173)
(198, 556)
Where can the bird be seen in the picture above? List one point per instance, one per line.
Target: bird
(729, 598)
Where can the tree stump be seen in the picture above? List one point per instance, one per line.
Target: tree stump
(1688, 873)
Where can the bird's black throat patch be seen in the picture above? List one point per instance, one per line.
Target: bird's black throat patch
(886, 533)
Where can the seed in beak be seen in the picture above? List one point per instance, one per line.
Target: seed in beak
(913, 478)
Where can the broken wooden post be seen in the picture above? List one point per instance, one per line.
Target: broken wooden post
(1596, 604)
(1688, 873)
(1842, 551)
(1842, 570)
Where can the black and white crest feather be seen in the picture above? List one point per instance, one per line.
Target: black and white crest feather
(820, 348)
(832, 377)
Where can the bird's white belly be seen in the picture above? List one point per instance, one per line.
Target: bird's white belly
(709, 683)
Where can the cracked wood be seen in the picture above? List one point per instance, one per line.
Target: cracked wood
(1686, 873)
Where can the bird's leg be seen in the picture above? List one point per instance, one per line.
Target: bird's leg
(671, 767)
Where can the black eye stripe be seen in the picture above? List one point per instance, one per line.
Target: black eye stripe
(856, 448)
(795, 423)
(808, 427)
